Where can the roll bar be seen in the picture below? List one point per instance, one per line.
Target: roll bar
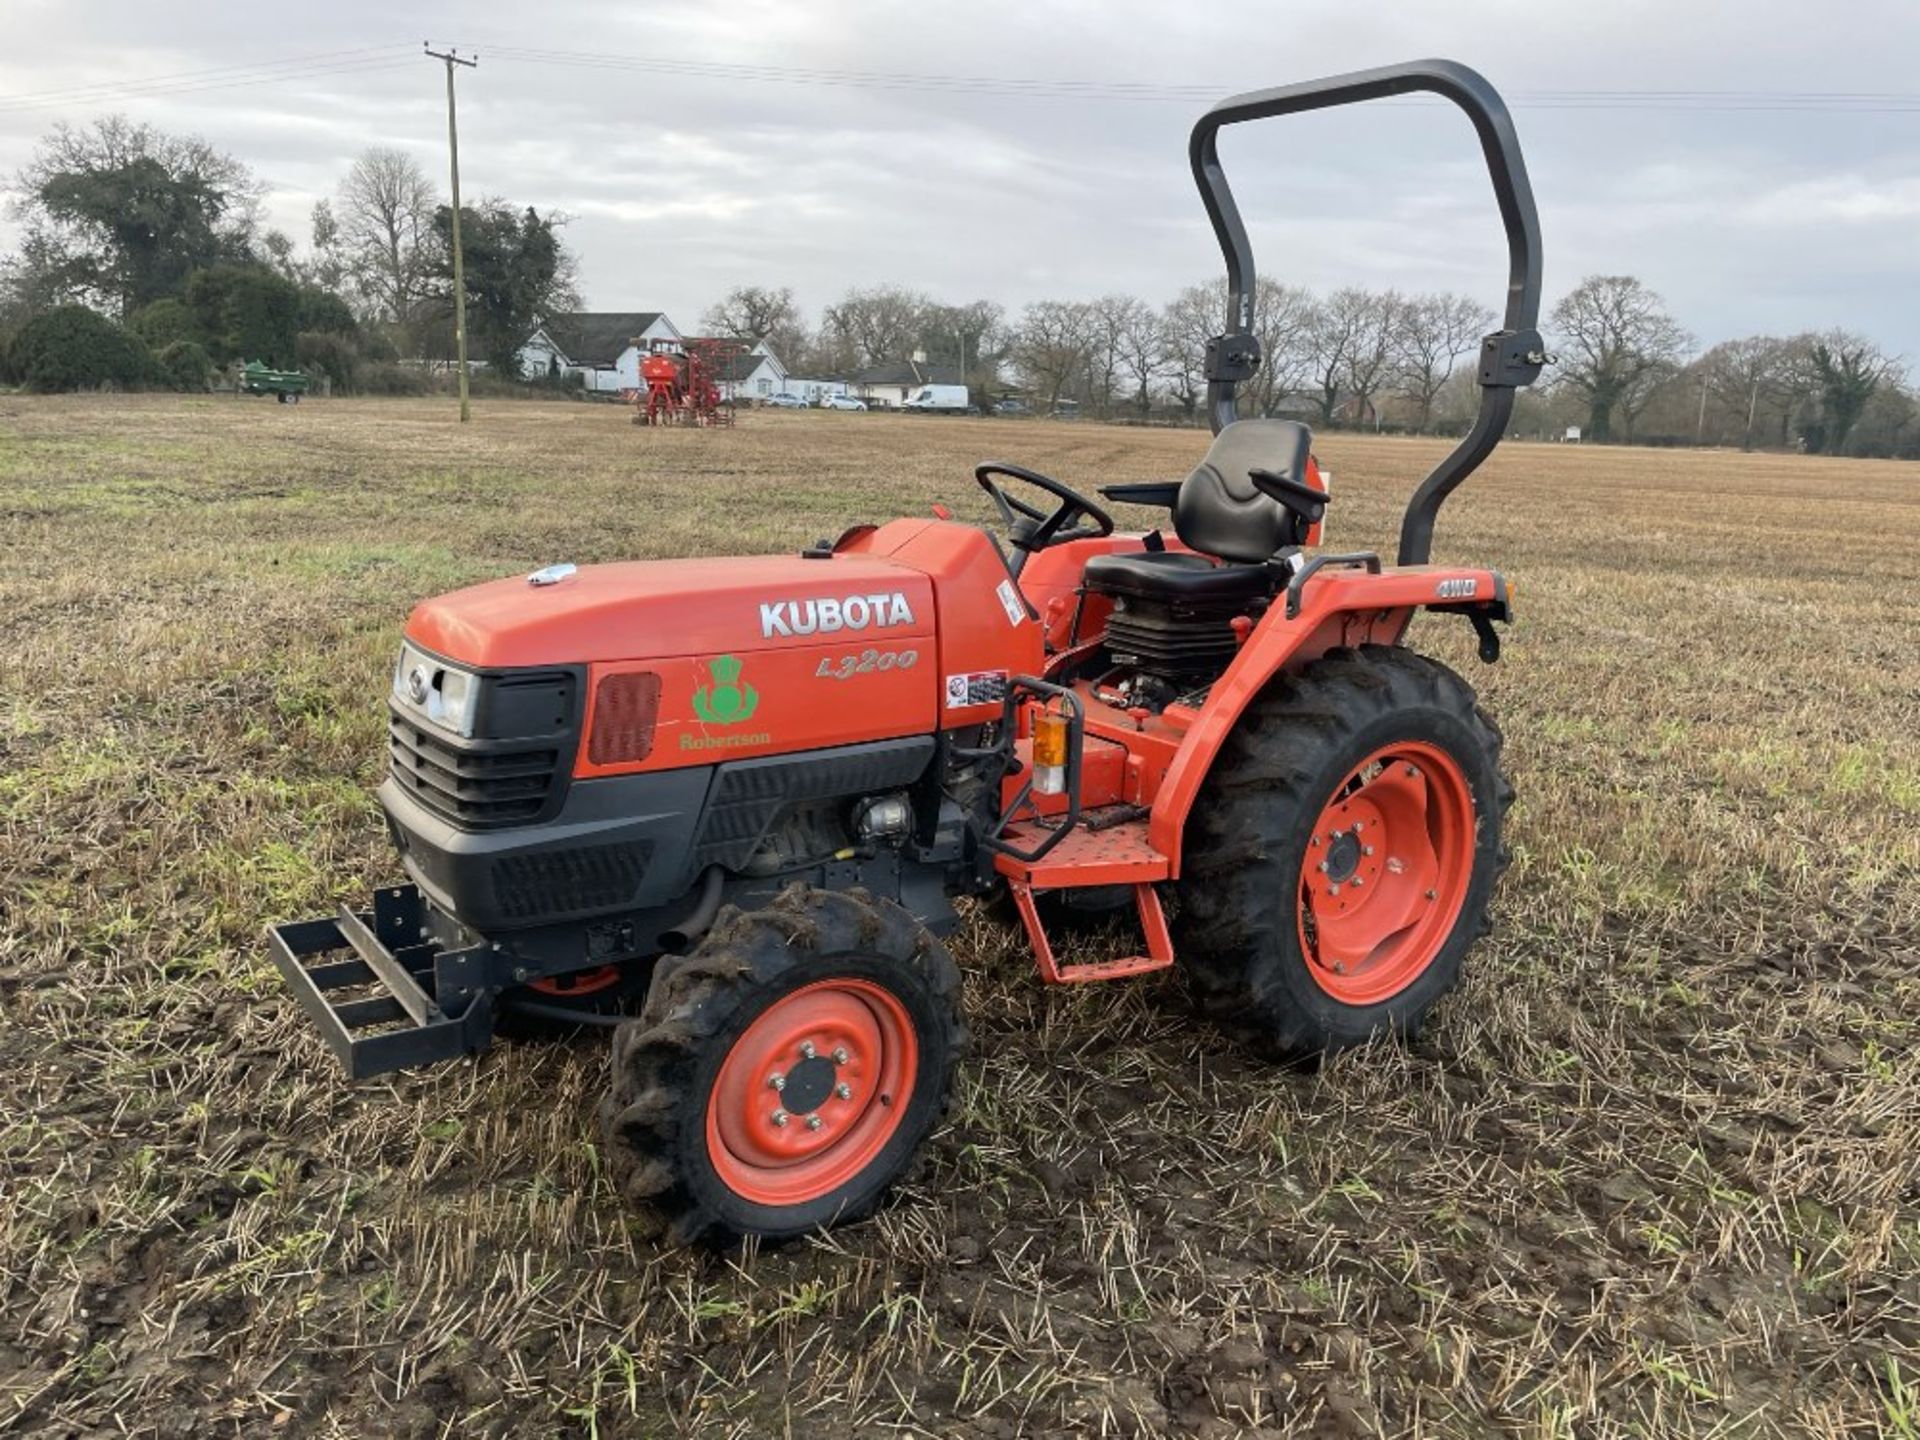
(1509, 358)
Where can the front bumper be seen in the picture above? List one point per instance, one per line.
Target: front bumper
(617, 845)
(383, 998)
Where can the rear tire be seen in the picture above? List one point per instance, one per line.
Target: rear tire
(1368, 768)
(850, 1003)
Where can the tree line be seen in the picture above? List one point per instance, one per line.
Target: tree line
(1624, 367)
(143, 260)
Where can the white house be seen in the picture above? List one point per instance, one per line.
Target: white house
(892, 385)
(603, 347)
(752, 374)
(757, 373)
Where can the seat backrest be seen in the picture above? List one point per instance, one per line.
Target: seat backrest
(1221, 512)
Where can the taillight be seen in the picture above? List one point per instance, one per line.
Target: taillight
(625, 708)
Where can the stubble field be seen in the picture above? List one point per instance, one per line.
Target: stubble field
(1655, 1169)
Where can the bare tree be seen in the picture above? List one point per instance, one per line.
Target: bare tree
(1054, 341)
(1434, 331)
(754, 313)
(1340, 335)
(1189, 320)
(1143, 351)
(876, 325)
(1615, 339)
(975, 334)
(386, 213)
(1111, 317)
(1744, 375)
(1370, 357)
(1283, 323)
(327, 266)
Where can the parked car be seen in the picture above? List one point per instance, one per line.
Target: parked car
(784, 401)
(1012, 406)
(843, 402)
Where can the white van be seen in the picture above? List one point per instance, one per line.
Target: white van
(938, 400)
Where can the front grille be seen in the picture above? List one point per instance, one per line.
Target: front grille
(561, 882)
(477, 789)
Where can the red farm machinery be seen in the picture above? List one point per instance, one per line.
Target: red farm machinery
(686, 388)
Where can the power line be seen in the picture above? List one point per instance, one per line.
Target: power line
(1857, 102)
(251, 65)
(226, 77)
(324, 64)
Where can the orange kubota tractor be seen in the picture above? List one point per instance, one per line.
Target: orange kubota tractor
(723, 806)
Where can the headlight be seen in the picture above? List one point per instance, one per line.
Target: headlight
(437, 692)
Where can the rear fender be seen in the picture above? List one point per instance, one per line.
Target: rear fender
(1337, 608)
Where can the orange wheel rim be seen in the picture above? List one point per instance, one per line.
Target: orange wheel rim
(1386, 872)
(580, 982)
(812, 1092)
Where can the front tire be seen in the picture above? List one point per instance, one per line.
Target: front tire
(783, 1076)
(1341, 859)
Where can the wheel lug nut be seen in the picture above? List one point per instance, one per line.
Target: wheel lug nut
(777, 1082)
(840, 1055)
(1413, 772)
(1358, 880)
(1366, 849)
(779, 1117)
(1433, 894)
(844, 1091)
(813, 1122)
(1323, 867)
(1333, 889)
(806, 1049)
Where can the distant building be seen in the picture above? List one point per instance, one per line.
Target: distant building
(747, 373)
(892, 384)
(755, 374)
(603, 347)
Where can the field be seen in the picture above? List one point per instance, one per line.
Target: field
(1655, 1169)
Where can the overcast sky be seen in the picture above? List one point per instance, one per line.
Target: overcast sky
(1771, 212)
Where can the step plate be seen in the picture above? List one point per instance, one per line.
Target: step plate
(1153, 925)
(1120, 855)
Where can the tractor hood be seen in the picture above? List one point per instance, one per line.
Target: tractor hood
(661, 608)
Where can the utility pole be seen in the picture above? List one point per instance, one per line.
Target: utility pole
(452, 58)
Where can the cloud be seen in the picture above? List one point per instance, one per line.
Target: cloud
(682, 185)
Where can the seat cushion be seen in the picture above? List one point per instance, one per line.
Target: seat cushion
(1176, 576)
(1220, 511)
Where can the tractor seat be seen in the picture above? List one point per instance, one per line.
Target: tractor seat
(1220, 513)
(1175, 576)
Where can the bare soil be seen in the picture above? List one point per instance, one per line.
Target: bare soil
(1654, 1170)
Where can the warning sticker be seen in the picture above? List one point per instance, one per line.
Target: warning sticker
(1011, 602)
(983, 687)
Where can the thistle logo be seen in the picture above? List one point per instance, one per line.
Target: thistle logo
(726, 701)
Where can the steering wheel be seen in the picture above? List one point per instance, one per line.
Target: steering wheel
(1030, 529)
